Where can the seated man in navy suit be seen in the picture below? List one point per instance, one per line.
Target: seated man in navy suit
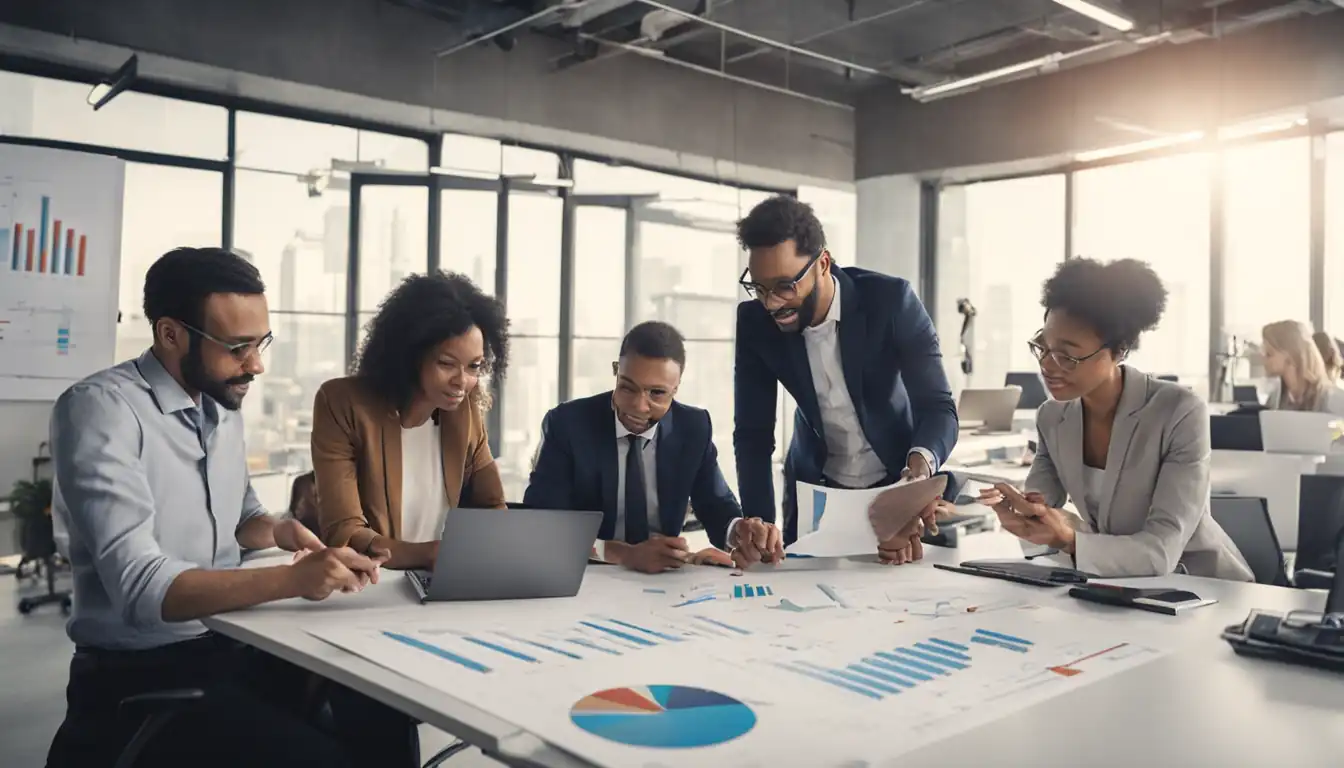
(639, 456)
(858, 353)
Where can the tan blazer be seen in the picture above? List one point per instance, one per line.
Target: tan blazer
(357, 459)
(1154, 509)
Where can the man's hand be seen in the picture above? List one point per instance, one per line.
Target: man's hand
(916, 467)
(1028, 517)
(711, 556)
(904, 547)
(315, 575)
(756, 541)
(293, 536)
(657, 554)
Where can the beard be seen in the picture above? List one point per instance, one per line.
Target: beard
(807, 312)
(196, 377)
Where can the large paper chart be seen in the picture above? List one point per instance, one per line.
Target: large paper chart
(734, 680)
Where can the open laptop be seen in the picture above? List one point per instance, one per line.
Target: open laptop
(1298, 432)
(509, 554)
(993, 408)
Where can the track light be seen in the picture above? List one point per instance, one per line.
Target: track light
(1098, 13)
(108, 88)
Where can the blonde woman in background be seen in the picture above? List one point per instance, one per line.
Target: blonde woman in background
(1334, 363)
(1304, 383)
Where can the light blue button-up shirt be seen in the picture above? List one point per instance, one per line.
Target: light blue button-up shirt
(148, 485)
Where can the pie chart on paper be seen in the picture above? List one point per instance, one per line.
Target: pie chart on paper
(663, 716)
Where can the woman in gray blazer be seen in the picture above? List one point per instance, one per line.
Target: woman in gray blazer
(1132, 452)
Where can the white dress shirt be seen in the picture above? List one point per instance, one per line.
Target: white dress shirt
(850, 459)
(648, 457)
(424, 502)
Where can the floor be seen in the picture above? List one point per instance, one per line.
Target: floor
(33, 670)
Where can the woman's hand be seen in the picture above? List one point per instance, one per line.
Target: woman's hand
(404, 555)
(1028, 517)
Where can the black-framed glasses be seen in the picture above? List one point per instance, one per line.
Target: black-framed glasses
(1065, 361)
(785, 290)
(241, 349)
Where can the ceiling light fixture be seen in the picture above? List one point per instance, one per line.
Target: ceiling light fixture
(108, 88)
(1138, 146)
(1098, 13)
(984, 77)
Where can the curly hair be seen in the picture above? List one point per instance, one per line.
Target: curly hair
(1120, 300)
(417, 316)
(779, 219)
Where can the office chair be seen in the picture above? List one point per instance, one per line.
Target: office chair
(154, 710)
(1320, 523)
(1246, 521)
(1033, 391)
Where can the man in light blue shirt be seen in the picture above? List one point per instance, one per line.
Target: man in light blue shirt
(152, 488)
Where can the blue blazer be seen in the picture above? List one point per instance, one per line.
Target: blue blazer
(577, 467)
(894, 372)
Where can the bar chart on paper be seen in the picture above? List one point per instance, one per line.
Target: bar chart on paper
(43, 244)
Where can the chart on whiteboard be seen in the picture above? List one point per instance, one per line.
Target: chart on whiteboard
(60, 251)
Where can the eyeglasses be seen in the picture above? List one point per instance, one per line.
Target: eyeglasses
(784, 290)
(240, 350)
(1067, 362)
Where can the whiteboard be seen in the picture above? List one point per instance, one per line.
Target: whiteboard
(60, 261)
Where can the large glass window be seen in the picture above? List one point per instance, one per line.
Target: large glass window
(1156, 211)
(599, 296)
(393, 240)
(1000, 241)
(1268, 226)
(1334, 234)
(163, 208)
(58, 110)
(467, 234)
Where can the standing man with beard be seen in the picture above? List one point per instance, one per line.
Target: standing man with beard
(152, 486)
(860, 356)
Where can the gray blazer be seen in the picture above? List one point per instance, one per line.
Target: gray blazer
(1158, 517)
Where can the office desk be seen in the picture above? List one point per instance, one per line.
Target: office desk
(1199, 705)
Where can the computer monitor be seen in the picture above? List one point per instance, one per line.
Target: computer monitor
(1245, 393)
(1235, 432)
(1033, 391)
(1335, 602)
(1320, 521)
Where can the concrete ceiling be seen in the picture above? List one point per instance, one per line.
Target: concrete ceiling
(909, 42)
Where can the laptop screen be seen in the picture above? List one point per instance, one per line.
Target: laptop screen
(1335, 602)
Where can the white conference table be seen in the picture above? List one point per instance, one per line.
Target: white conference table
(1199, 705)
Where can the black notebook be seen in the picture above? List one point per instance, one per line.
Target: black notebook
(1020, 572)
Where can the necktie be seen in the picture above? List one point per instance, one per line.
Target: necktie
(636, 503)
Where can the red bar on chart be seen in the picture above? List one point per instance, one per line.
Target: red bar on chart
(69, 251)
(81, 255)
(30, 251)
(56, 247)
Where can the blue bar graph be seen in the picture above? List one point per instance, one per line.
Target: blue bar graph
(442, 653)
(999, 643)
(953, 646)
(694, 600)
(751, 590)
(44, 229)
(931, 658)
(1001, 636)
(722, 625)
(497, 648)
(851, 677)
(881, 674)
(545, 647)
(899, 668)
(737, 591)
(941, 651)
(590, 645)
(913, 663)
(818, 507)
(629, 638)
(830, 680)
(645, 630)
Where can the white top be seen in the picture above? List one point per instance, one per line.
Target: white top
(850, 460)
(650, 477)
(424, 502)
(1093, 479)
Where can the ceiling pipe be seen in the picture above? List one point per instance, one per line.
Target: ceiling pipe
(657, 55)
(529, 19)
(765, 40)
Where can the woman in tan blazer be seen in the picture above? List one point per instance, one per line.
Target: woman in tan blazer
(1132, 452)
(403, 441)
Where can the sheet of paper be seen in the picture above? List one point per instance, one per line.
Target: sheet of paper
(836, 522)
